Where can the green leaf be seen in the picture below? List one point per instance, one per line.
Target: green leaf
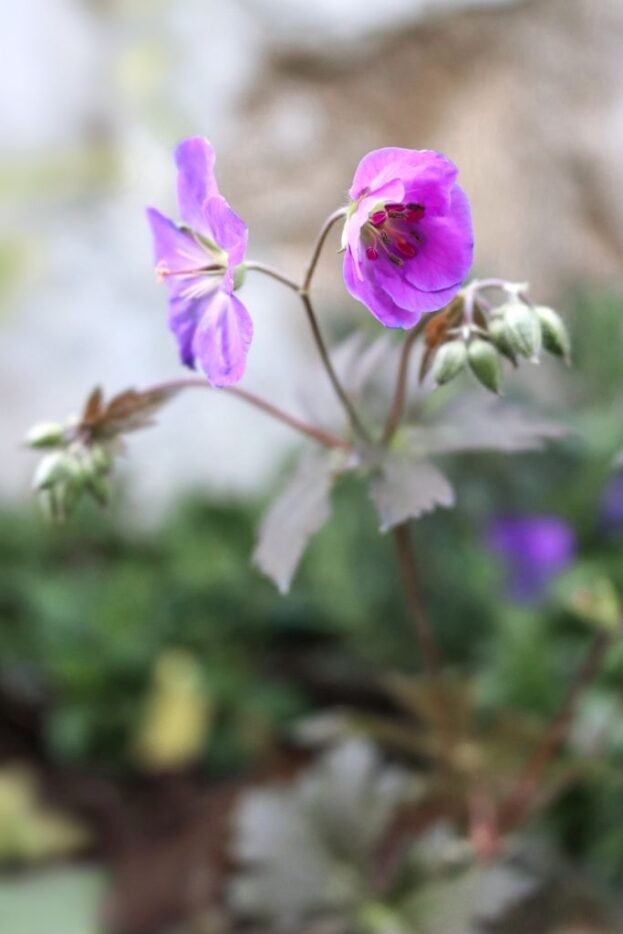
(480, 423)
(405, 487)
(300, 510)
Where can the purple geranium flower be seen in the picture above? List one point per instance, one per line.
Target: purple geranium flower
(197, 261)
(535, 549)
(408, 234)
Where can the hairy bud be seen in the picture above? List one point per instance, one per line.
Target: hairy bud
(449, 361)
(523, 329)
(485, 364)
(45, 435)
(554, 333)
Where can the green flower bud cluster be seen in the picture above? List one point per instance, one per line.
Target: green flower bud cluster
(477, 353)
(513, 330)
(70, 469)
(521, 330)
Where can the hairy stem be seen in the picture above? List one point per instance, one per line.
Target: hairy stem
(318, 434)
(353, 417)
(322, 236)
(521, 800)
(303, 292)
(273, 273)
(400, 393)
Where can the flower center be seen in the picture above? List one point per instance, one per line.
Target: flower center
(201, 277)
(392, 231)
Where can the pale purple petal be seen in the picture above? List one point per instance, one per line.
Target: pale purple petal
(406, 296)
(183, 320)
(175, 250)
(222, 340)
(228, 230)
(196, 181)
(415, 165)
(409, 239)
(380, 303)
(448, 247)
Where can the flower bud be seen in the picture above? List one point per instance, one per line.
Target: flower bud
(554, 333)
(449, 361)
(56, 469)
(99, 488)
(485, 364)
(523, 329)
(498, 332)
(101, 461)
(45, 435)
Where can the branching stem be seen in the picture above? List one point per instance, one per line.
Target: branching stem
(318, 434)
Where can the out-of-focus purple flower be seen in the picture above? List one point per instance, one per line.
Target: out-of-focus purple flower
(611, 505)
(408, 234)
(197, 260)
(535, 549)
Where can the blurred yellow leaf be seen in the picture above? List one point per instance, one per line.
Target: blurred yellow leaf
(178, 714)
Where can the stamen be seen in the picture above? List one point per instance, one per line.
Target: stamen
(371, 253)
(378, 218)
(395, 206)
(415, 212)
(405, 248)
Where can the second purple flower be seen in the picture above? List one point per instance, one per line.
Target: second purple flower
(197, 261)
(408, 234)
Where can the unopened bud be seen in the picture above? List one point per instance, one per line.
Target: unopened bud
(56, 469)
(523, 329)
(498, 332)
(45, 435)
(485, 364)
(101, 460)
(554, 333)
(99, 487)
(449, 361)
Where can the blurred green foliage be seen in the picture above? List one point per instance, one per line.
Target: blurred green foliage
(89, 609)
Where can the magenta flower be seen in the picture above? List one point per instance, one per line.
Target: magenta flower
(197, 261)
(535, 550)
(408, 234)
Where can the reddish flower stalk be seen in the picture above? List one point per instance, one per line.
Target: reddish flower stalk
(311, 431)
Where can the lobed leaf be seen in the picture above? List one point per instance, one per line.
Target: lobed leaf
(405, 487)
(300, 510)
(478, 423)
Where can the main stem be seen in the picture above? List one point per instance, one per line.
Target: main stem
(423, 628)
(520, 801)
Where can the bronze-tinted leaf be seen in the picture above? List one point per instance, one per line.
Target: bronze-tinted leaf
(405, 487)
(300, 510)
(478, 423)
(93, 407)
(130, 410)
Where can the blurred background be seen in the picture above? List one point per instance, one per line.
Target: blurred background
(148, 675)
